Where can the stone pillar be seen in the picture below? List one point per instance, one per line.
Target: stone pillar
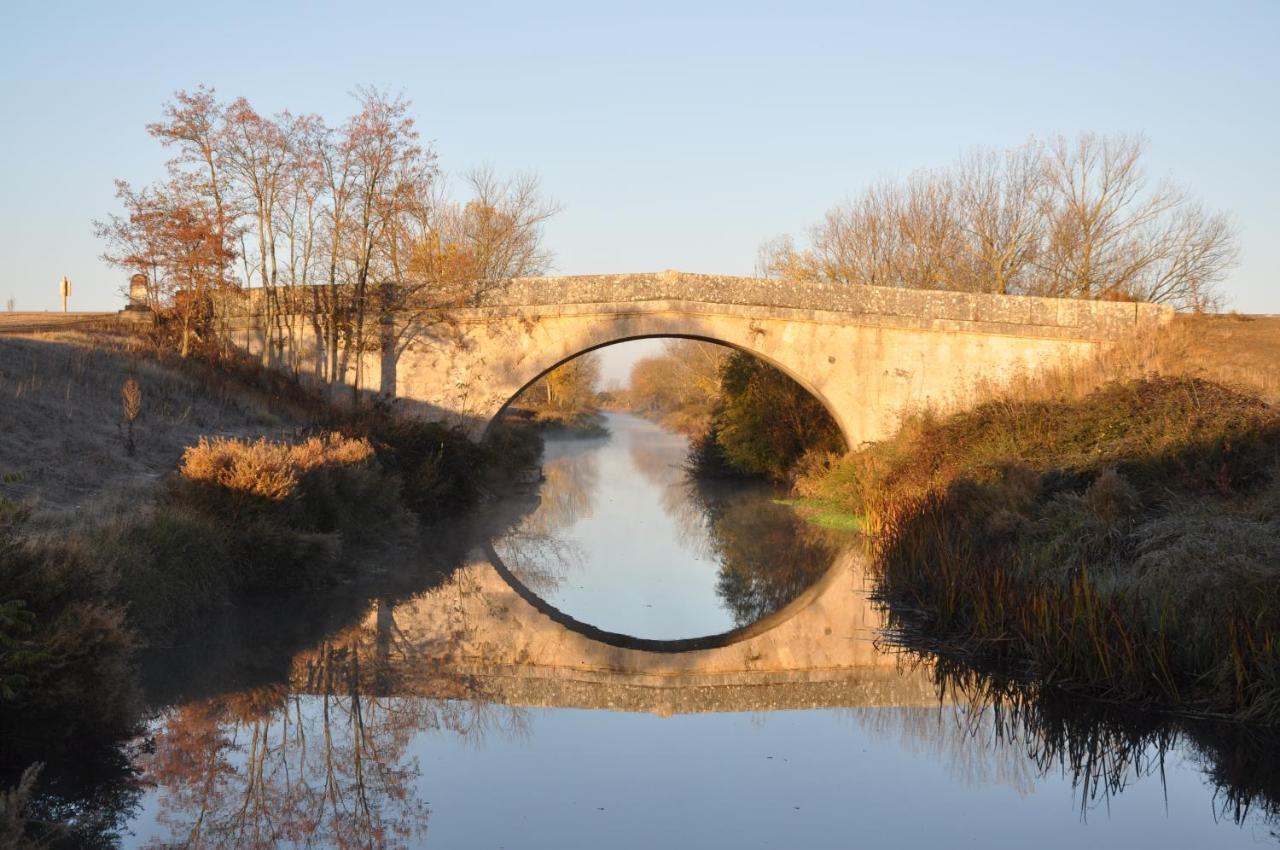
(137, 292)
(138, 308)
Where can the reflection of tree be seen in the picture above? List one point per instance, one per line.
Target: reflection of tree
(975, 754)
(322, 762)
(768, 555)
(1016, 731)
(657, 455)
(533, 551)
(567, 494)
(540, 561)
(261, 768)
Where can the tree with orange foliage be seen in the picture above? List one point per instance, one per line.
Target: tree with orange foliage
(171, 234)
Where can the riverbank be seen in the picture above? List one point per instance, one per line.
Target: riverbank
(1124, 544)
(585, 423)
(140, 493)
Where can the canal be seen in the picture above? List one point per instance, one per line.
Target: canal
(623, 657)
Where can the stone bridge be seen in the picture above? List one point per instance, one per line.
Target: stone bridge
(868, 353)
(483, 635)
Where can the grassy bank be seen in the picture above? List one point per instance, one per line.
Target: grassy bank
(586, 423)
(825, 514)
(1123, 544)
(119, 531)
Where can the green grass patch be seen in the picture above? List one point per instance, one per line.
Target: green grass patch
(824, 514)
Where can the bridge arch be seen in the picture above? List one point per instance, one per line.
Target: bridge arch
(779, 364)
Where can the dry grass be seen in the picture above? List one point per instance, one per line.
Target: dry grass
(1124, 545)
(63, 429)
(269, 470)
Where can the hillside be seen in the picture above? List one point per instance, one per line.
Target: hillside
(62, 439)
(1236, 349)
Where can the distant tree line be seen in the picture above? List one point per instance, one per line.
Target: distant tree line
(680, 387)
(1073, 218)
(745, 417)
(347, 225)
(568, 394)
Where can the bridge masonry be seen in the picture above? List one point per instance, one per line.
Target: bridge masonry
(477, 636)
(868, 353)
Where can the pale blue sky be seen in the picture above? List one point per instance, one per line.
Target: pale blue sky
(674, 135)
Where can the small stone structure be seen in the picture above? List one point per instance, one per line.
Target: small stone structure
(868, 353)
(139, 307)
(137, 292)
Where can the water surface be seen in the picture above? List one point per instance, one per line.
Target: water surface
(624, 541)
(434, 704)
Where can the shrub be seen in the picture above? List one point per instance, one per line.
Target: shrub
(439, 470)
(1125, 545)
(766, 422)
(65, 656)
(511, 450)
(323, 484)
(172, 567)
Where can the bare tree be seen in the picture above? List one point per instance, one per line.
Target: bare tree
(1071, 218)
(999, 198)
(857, 242)
(133, 239)
(170, 232)
(388, 167)
(193, 123)
(501, 225)
(1108, 236)
(445, 252)
(929, 249)
(346, 228)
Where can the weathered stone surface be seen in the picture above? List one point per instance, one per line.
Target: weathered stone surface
(868, 353)
(479, 636)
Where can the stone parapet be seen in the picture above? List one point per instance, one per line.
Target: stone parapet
(1106, 319)
(873, 305)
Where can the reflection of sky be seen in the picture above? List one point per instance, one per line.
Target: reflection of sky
(787, 779)
(476, 775)
(639, 570)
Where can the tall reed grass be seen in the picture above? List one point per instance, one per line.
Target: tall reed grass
(1125, 544)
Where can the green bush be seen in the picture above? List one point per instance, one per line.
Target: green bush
(764, 423)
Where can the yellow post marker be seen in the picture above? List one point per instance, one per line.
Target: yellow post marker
(66, 292)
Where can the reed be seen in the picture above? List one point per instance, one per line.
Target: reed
(1124, 545)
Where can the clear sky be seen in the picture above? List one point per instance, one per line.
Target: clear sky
(673, 135)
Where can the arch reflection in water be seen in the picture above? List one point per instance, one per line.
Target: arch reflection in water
(378, 733)
(623, 540)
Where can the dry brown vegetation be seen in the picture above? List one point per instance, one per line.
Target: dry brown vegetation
(62, 427)
(1112, 528)
(267, 470)
(679, 388)
(103, 549)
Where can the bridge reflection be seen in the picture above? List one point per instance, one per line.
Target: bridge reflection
(339, 753)
(483, 634)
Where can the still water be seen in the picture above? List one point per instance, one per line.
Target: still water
(511, 685)
(622, 540)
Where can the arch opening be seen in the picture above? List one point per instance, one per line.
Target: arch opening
(634, 535)
(597, 346)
